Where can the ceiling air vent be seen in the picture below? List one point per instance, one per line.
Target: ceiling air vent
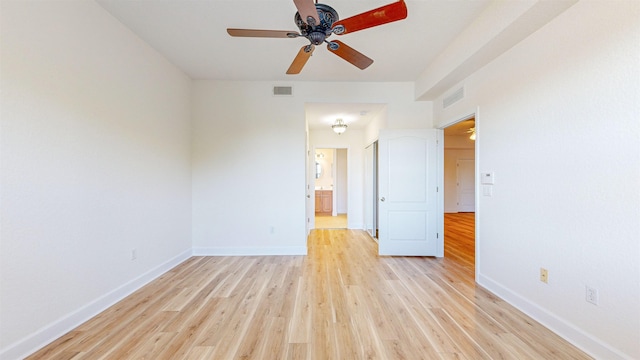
(453, 98)
(282, 91)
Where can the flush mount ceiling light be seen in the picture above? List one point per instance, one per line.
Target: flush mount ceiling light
(339, 127)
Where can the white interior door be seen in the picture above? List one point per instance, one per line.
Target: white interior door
(466, 185)
(407, 192)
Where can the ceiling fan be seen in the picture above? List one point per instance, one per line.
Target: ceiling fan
(319, 21)
(472, 131)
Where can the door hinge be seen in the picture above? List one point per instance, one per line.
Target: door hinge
(437, 235)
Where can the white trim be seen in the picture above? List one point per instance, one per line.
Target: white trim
(564, 329)
(478, 214)
(30, 344)
(440, 195)
(249, 251)
(441, 211)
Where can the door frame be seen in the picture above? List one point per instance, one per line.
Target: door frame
(371, 190)
(476, 116)
(311, 173)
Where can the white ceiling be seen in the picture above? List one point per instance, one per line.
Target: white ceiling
(321, 116)
(192, 35)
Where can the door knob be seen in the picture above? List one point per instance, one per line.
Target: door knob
(382, 199)
(308, 196)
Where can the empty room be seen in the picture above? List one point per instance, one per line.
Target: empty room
(159, 179)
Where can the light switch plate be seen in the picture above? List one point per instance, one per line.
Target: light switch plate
(487, 178)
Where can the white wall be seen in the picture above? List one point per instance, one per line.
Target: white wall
(558, 124)
(242, 132)
(248, 170)
(95, 162)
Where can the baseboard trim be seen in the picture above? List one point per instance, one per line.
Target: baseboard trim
(586, 342)
(51, 332)
(249, 251)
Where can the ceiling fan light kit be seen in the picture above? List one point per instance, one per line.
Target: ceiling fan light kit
(317, 22)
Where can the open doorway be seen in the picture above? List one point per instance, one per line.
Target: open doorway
(331, 188)
(459, 192)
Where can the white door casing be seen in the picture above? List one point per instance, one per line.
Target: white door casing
(407, 192)
(369, 191)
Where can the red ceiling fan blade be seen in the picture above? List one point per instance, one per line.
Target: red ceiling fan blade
(382, 15)
(307, 8)
(262, 33)
(350, 54)
(301, 59)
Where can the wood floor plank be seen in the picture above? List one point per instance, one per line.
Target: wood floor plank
(180, 345)
(300, 324)
(341, 301)
(151, 348)
(419, 317)
(136, 336)
(297, 351)
(462, 341)
(273, 346)
(362, 324)
(200, 353)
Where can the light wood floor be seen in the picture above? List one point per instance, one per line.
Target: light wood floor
(331, 222)
(459, 239)
(341, 301)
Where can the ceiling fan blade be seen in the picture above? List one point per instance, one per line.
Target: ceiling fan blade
(307, 8)
(350, 54)
(382, 15)
(298, 63)
(262, 33)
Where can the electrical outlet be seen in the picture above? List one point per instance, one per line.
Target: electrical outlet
(134, 254)
(592, 295)
(544, 275)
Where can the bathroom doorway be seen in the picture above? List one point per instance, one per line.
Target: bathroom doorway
(331, 188)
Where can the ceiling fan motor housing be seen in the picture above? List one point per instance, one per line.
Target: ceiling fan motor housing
(318, 32)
